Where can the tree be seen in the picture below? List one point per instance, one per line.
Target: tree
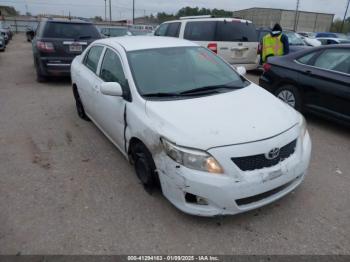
(98, 19)
(193, 11)
(337, 24)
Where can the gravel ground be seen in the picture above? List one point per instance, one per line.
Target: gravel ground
(65, 189)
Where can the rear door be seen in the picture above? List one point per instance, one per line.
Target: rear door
(88, 77)
(328, 75)
(233, 40)
(237, 41)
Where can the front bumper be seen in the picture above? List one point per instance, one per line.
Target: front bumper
(235, 191)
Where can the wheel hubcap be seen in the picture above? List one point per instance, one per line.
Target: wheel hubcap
(287, 97)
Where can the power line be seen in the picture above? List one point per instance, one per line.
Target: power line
(346, 12)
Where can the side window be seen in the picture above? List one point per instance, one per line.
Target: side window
(92, 58)
(308, 59)
(334, 59)
(200, 31)
(173, 29)
(112, 69)
(161, 31)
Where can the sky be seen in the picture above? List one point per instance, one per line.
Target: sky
(123, 8)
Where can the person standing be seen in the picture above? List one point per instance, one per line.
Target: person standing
(275, 43)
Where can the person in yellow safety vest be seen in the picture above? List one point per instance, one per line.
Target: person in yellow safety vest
(274, 44)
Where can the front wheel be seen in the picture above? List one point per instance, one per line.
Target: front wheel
(290, 95)
(144, 166)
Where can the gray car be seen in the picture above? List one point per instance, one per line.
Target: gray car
(2, 44)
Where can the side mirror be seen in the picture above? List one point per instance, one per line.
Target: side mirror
(241, 70)
(111, 89)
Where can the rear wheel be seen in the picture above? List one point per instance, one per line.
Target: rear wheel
(290, 95)
(79, 105)
(144, 166)
(39, 75)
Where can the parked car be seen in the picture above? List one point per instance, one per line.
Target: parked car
(217, 143)
(4, 34)
(115, 31)
(296, 43)
(315, 80)
(326, 34)
(2, 44)
(307, 34)
(333, 41)
(8, 31)
(235, 40)
(30, 33)
(56, 44)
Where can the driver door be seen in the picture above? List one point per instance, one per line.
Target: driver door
(110, 110)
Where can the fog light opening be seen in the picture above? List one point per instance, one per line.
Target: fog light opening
(197, 200)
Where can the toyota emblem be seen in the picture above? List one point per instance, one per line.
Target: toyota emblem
(273, 154)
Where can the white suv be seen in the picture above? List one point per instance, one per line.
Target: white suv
(235, 40)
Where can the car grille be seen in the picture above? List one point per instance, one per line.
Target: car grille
(250, 163)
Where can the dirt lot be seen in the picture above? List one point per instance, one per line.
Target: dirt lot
(64, 188)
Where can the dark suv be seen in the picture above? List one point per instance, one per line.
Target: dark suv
(57, 42)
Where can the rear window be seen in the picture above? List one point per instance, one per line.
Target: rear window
(224, 31)
(200, 31)
(236, 32)
(70, 30)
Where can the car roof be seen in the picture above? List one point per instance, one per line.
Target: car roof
(133, 43)
(65, 20)
(210, 19)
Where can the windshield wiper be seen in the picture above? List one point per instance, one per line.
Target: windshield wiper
(208, 89)
(161, 95)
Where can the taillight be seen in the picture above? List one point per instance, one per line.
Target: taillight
(213, 47)
(45, 46)
(266, 67)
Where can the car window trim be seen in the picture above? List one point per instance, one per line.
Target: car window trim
(323, 69)
(99, 61)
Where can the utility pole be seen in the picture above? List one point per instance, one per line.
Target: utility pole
(296, 16)
(105, 10)
(133, 11)
(346, 12)
(110, 11)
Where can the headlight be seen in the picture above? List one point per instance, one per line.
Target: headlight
(193, 159)
(303, 126)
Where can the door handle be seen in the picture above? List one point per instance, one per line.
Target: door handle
(308, 72)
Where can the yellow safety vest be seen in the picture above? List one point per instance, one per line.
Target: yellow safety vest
(272, 46)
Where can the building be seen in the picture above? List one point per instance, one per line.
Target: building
(7, 11)
(306, 21)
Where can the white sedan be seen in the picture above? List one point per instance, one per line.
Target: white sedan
(214, 142)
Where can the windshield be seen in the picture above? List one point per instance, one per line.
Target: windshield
(71, 30)
(294, 39)
(181, 70)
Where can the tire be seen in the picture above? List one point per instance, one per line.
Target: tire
(39, 76)
(290, 95)
(145, 167)
(79, 106)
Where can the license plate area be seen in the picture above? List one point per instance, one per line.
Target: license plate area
(272, 175)
(75, 48)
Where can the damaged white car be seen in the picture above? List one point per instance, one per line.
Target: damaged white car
(216, 143)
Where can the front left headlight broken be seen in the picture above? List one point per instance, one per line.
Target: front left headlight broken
(192, 158)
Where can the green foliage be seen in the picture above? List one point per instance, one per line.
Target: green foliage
(193, 11)
(337, 26)
(98, 19)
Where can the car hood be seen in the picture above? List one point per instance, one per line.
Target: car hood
(241, 116)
